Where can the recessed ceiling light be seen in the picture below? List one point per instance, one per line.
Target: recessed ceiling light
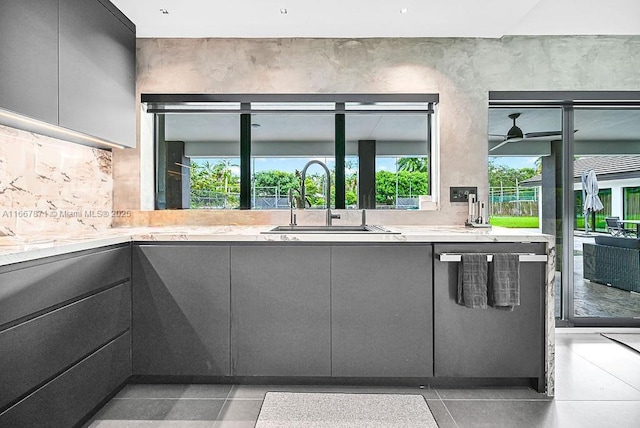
(164, 11)
(404, 10)
(283, 11)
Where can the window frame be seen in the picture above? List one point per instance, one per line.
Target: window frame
(243, 104)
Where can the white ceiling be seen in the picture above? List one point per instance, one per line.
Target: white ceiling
(381, 18)
(594, 125)
(604, 131)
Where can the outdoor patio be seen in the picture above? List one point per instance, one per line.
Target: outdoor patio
(598, 300)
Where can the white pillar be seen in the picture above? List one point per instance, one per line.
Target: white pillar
(616, 201)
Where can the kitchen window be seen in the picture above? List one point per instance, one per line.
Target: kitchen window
(248, 151)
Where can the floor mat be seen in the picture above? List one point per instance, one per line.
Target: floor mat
(632, 340)
(320, 410)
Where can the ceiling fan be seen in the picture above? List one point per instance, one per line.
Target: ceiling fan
(515, 134)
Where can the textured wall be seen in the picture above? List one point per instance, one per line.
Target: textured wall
(462, 71)
(52, 186)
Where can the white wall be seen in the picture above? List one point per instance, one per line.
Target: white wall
(616, 187)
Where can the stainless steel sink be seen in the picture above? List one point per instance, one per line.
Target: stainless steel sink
(330, 229)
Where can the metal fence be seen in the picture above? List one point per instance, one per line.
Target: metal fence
(213, 199)
(513, 201)
(269, 203)
(503, 201)
(401, 203)
(270, 199)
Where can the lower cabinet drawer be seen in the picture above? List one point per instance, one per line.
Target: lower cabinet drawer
(30, 287)
(39, 349)
(68, 398)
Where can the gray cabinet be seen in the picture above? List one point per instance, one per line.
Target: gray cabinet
(29, 58)
(381, 310)
(69, 63)
(97, 72)
(280, 305)
(65, 335)
(489, 342)
(70, 397)
(37, 350)
(181, 310)
(45, 284)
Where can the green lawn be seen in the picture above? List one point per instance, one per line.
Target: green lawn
(515, 222)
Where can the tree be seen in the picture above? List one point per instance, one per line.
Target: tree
(314, 187)
(413, 164)
(412, 183)
(408, 184)
(202, 176)
(225, 174)
(350, 183)
(538, 165)
(505, 176)
(281, 180)
(385, 187)
(214, 185)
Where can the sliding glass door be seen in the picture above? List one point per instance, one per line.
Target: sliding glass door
(525, 179)
(588, 181)
(606, 172)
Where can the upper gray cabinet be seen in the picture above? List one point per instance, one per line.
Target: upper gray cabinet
(69, 63)
(29, 58)
(97, 72)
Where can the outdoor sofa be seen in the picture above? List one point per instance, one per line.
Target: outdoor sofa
(614, 261)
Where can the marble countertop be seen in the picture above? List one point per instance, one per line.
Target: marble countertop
(15, 249)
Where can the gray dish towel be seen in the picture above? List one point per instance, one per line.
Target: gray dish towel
(472, 281)
(504, 289)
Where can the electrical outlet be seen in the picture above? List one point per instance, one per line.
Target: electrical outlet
(461, 194)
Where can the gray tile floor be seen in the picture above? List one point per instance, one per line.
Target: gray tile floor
(597, 385)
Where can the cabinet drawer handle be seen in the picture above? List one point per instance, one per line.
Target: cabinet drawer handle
(447, 257)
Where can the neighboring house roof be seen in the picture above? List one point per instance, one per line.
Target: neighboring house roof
(605, 167)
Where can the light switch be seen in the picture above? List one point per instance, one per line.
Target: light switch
(461, 194)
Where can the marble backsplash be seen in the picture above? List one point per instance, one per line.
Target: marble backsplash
(50, 186)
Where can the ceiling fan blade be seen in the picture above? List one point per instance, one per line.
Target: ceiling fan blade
(508, 140)
(497, 146)
(542, 134)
